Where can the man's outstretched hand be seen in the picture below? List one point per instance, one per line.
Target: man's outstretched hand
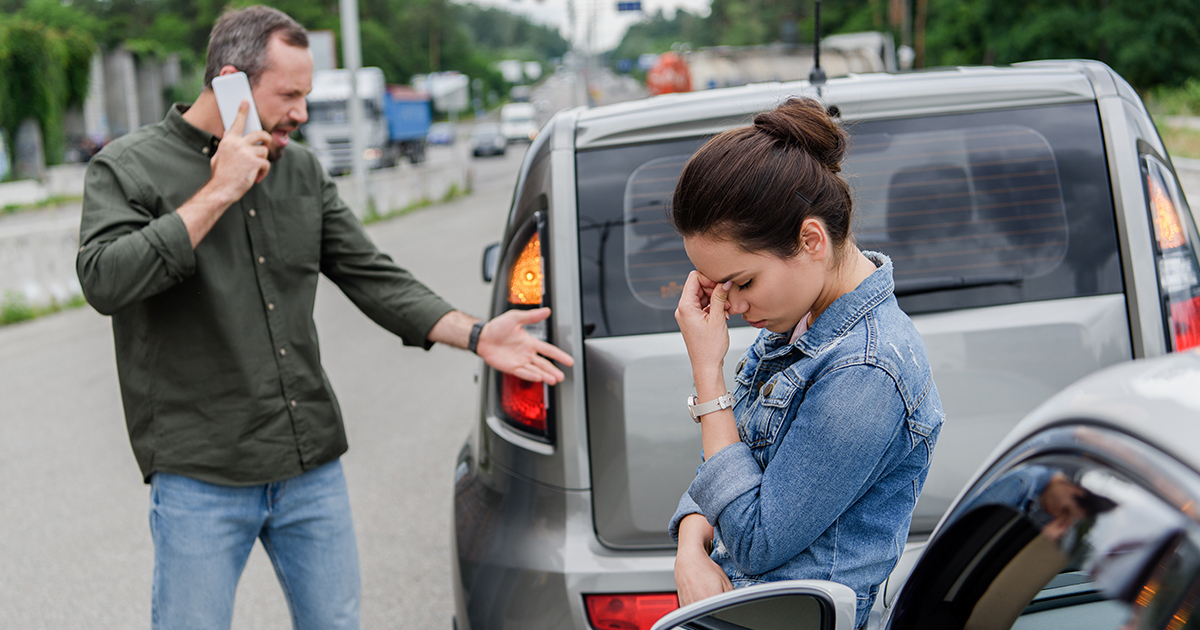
(506, 346)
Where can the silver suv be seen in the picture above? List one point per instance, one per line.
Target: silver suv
(1038, 234)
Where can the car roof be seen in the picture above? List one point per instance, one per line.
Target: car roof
(1157, 400)
(858, 97)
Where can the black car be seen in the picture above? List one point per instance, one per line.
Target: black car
(486, 139)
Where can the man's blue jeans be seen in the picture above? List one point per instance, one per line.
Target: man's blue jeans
(203, 534)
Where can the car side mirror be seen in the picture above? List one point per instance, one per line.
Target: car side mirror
(787, 605)
(491, 258)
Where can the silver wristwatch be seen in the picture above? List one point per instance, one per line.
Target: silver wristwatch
(698, 409)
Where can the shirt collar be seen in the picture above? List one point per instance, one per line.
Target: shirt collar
(200, 140)
(844, 312)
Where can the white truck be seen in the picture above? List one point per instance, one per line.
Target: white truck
(328, 129)
(518, 122)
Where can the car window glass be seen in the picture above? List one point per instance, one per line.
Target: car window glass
(975, 210)
(1057, 545)
(959, 207)
(656, 265)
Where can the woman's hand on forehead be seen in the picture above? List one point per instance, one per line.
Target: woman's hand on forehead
(706, 287)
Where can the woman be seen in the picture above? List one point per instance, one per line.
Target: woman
(815, 470)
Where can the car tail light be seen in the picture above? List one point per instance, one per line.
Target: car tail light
(633, 611)
(1175, 247)
(524, 404)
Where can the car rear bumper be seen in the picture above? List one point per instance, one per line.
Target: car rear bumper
(525, 554)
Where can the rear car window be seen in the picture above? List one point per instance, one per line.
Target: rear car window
(976, 209)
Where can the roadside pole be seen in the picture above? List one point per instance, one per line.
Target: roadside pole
(352, 59)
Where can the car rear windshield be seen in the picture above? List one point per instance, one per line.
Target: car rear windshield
(977, 209)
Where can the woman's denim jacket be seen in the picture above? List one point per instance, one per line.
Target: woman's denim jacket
(837, 432)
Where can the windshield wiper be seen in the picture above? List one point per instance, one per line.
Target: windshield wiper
(944, 283)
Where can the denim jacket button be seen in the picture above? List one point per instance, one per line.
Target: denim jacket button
(768, 389)
(758, 387)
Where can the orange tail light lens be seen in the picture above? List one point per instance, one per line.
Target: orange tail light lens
(525, 280)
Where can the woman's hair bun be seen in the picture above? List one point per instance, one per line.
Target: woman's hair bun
(803, 122)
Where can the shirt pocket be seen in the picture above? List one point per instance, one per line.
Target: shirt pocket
(768, 413)
(297, 229)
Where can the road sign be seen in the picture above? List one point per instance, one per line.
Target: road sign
(629, 6)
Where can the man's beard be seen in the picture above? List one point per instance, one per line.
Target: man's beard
(276, 152)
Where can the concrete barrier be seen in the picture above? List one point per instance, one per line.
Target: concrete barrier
(37, 248)
(64, 180)
(405, 185)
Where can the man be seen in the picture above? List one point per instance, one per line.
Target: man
(205, 247)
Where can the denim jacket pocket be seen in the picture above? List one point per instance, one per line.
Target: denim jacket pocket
(743, 376)
(769, 410)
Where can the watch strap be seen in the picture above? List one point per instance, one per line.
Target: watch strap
(698, 409)
(473, 340)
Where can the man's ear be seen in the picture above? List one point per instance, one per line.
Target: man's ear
(227, 69)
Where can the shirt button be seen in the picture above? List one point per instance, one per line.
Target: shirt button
(261, 260)
(292, 403)
(283, 352)
(270, 306)
(204, 150)
(768, 389)
(252, 212)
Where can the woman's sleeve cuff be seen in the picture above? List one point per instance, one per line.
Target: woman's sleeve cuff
(729, 474)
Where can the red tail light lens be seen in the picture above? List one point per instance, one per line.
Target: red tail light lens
(522, 404)
(633, 611)
(1185, 316)
(1175, 247)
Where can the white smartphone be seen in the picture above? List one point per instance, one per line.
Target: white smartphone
(231, 90)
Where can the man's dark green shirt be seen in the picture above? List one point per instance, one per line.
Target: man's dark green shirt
(216, 348)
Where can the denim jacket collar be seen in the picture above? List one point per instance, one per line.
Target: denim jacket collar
(841, 315)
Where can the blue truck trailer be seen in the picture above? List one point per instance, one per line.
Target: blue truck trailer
(408, 116)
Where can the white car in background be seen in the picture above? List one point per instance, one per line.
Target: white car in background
(518, 122)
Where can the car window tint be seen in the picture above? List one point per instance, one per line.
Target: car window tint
(975, 210)
(1058, 544)
(655, 263)
(961, 206)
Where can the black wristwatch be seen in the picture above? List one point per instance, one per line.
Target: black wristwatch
(473, 340)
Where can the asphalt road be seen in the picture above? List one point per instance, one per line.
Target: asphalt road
(75, 549)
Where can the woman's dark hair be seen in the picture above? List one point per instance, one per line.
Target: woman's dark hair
(755, 186)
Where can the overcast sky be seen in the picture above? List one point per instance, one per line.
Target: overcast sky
(608, 25)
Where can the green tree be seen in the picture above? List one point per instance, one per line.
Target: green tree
(1149, 42)
(43, 71)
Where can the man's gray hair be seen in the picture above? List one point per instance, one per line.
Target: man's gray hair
(240, 39)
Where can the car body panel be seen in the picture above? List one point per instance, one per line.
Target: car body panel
(589, 517)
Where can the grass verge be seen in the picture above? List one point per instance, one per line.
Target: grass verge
(14, 208)
(15, 309)
(1180, 141)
